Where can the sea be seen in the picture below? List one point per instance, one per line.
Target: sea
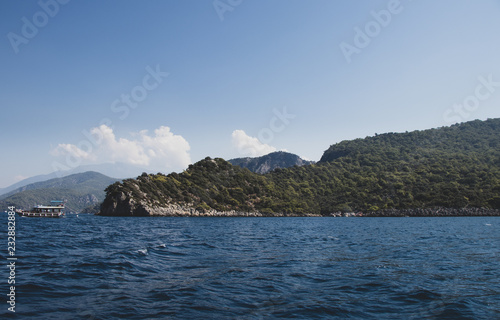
(92, 267)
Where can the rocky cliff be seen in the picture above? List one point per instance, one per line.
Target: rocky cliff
(122, 204)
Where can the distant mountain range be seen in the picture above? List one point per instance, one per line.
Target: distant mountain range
(81, 191)
(116, 170)
(269, 162)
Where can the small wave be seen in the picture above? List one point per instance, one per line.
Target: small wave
(423, 295)
(177, 253)
(35, 288)
(127, 271)
(454, 310)
(206, 245)
(298, 275)
(236, 270)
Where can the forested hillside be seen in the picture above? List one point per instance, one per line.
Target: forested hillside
(269, 162)
(450, 167)
(80, 191)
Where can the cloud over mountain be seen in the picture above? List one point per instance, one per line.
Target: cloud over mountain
(248, 145)
(163, 150)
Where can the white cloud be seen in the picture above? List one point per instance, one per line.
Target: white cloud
(164, 144)
(163, 151)
(70, 149)
(248, 145)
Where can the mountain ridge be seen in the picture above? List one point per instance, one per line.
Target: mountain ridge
(270, 161)
(117, 170)
(442, 170)
(81, 190)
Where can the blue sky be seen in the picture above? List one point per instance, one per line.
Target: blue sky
(161, 84)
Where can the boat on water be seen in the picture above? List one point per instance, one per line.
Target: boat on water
(54, 210)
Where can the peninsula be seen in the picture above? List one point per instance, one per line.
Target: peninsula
(447, 171)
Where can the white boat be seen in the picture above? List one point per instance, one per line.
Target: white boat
(54, 210)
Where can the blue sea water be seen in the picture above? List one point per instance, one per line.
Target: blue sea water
(91, 267)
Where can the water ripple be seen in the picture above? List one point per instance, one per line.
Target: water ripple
(258, 268)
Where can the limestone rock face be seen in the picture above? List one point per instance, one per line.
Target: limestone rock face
(271, 161)
(122, 205)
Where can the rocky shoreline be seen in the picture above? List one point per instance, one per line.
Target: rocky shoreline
(123, 206)
(434, 212)
(144, 209)
(175, 210)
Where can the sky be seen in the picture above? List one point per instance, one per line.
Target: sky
(162, 84)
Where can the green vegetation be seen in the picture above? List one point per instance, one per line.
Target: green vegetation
(452, 167)
(269, 162)
(82, 191)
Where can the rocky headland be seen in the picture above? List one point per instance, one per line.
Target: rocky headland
(448, 171)
(122, 205)
(125, 206)
(176, 210)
